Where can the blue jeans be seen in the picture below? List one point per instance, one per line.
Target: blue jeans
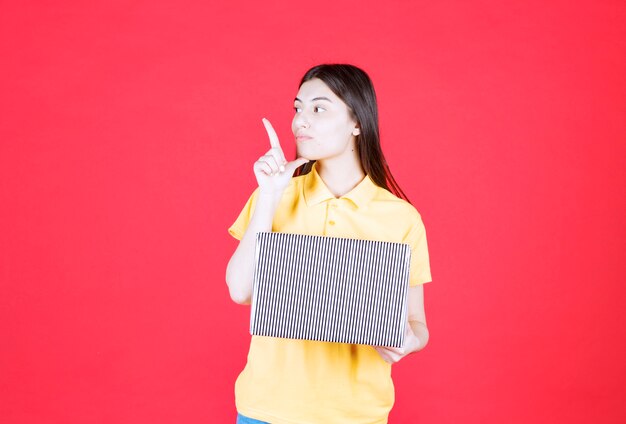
(245, 420)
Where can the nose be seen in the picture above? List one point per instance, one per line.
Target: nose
(301, 121)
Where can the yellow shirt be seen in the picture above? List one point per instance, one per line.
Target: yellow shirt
(288, 381)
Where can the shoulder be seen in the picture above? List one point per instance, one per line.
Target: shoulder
(395, 205)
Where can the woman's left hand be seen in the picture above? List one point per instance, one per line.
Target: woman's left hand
(394, 354)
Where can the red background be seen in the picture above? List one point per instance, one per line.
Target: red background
(128, 130)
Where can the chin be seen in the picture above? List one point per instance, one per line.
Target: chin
(311, 157)
(305, 155)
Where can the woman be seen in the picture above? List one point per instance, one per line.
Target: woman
(340, 189)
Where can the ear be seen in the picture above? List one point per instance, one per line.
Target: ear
(356, 131)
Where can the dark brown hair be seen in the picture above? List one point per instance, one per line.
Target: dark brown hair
(354, 87)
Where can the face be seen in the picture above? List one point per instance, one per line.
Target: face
(322, 124)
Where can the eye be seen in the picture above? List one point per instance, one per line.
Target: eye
(318, 107)
(297, 109)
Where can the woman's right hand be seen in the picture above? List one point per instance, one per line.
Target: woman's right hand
(272, 171)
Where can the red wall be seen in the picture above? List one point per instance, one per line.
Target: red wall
(128, 130)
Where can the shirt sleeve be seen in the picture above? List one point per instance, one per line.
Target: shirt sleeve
(420, 265)
(238, 228)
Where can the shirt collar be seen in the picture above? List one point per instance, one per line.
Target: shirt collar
(316, 191)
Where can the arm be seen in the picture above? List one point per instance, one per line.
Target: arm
(273, 173)
(417, 316)
(240, 268)
(416, 336)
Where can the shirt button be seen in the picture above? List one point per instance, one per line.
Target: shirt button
(331, 222)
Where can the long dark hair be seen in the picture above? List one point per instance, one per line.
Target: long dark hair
(354, 87)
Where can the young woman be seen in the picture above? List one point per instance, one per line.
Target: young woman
(337, 186)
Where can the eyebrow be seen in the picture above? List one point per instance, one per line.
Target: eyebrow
(317, 98)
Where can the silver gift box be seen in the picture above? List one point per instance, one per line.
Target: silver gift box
(330, 289)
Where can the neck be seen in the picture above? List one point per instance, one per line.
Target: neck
(340, 176)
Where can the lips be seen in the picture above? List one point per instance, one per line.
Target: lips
(302, 137)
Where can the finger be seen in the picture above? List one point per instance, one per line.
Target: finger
(383, 355)
(389, 349)
(266, 168)
(271, 161)
(262, 166)
(293, 165)
(391, 357)
(276, 149)
(279, 158)
(392, 353)
(283, 163)
(272, 134)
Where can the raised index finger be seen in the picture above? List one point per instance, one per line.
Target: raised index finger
(272, 134)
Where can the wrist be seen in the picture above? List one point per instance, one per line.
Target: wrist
(270, 194)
